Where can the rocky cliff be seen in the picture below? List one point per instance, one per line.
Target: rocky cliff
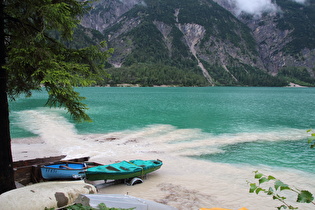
(228, 46)
(285, 36)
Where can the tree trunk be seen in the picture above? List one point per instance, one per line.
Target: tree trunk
(6, 165)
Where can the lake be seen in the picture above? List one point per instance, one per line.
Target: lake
(237, 128)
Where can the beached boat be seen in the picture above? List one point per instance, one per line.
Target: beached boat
(63, 170)
(120, 201)
(122, 170)
(29, 171)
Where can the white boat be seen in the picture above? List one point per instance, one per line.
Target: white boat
(121, 201)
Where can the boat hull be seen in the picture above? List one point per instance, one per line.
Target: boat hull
(63, 171)
(104, 176)
(137, 168)
(120, 201)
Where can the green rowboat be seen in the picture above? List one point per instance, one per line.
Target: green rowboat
(123, 170)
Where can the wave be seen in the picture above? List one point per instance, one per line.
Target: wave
(187, 142)
(56, 130)
(49, 125)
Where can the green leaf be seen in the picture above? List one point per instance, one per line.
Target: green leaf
(252, 188)
(258, 175)
(281, 185)
(271, 178)
(282, 206)
(258, 190)
(305, 197)
(286, 187)
(270, 191)
(275, 197)
(263, 180)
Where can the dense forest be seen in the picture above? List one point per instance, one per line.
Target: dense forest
(153, 75)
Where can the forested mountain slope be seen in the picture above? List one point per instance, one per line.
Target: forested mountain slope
(202, 42)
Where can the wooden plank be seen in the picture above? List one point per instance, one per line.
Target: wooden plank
(37, 161)
(22, 175)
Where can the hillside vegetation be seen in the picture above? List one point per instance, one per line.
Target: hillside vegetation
(199, 43)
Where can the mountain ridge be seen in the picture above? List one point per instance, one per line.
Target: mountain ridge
(203, 38)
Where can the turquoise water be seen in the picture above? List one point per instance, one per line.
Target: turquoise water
(237, 125)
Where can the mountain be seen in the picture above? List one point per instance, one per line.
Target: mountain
(285, 38)
(202, 42)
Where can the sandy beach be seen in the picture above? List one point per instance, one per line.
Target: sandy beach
(182, 182)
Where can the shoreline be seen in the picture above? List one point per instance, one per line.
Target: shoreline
(181, 182)
(291, 84)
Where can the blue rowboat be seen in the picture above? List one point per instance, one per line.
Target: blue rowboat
(63, 171)
(122, 170)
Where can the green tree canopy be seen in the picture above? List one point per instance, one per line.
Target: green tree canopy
(36, 59)
(33, 58)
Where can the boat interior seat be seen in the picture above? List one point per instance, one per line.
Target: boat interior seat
(65, 167)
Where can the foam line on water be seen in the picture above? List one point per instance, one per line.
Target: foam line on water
(169, 139)
(55, 130)
(212, 143)
(48, 124)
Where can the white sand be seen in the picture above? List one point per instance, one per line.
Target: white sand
(181, 182)
(31, 148)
